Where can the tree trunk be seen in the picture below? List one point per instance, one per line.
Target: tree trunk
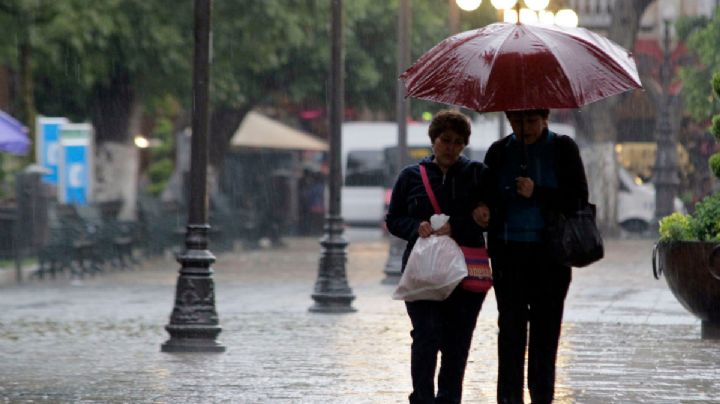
(26, 87)
(116, 116)
(596, 122)
(111, 109)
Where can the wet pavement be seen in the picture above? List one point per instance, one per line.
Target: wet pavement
(625, 337)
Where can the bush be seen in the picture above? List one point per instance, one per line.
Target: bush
(714, 162)
(676, 227)
(715, 127)
(705, 222)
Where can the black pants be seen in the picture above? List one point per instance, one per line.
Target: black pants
(447, 327)
(530, 290)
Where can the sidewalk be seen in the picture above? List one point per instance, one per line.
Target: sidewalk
(625, 339)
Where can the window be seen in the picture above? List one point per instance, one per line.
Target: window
(365, 168)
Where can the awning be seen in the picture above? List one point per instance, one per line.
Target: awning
(260, 132)
(13, 135)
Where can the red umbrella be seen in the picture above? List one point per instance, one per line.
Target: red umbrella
(506, 66)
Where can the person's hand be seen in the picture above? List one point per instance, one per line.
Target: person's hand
(425, 229)
(481, 215)
(524, 186)
(444, 230)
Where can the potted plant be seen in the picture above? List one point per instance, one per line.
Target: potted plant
(688, 252)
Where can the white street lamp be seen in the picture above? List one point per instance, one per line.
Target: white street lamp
(546, 17)
(468, 5)
(510, 15)
(566, 18)
(535, 5)
(503, 4)
(528, 16)
(141, 141)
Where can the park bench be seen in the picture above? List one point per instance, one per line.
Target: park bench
(71, 244)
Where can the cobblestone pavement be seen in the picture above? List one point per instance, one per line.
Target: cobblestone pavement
(625, 338)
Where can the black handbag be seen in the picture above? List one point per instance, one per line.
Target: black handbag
(574, 239)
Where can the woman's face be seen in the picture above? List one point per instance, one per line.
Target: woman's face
(530, 126)
(447, 148)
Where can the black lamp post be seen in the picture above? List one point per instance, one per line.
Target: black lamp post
(332, 293)
(665, 173)
(393, 265)
(194, 324)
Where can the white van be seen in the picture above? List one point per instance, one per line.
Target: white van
(367, 173)
(636, 203)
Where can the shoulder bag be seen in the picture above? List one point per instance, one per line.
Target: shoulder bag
(573, 237)
(479, 278)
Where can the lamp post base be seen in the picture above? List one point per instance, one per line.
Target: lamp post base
(194, 324)
(393, 265)
(332, 293)
(332, 303)
(189, 338)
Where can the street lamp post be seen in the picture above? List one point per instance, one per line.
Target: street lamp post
(393, 265)
(665, 173)
(194, 324)
(332, 293)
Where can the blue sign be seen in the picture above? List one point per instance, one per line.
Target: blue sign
(75, 175)
(75, 168)
(48, 146)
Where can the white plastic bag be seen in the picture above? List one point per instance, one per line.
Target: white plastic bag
(435, 267)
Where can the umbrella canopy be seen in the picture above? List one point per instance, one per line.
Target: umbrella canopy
(13, 135)
(506, 66)
(261, 132)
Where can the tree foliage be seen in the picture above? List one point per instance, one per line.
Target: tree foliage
(697, 91)
(97, 60)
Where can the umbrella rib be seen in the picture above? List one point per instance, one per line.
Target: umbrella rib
(596, 49)
(467, 62)
(593, 47)
(494, 58)
(557, 57)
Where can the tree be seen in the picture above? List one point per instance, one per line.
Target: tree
(702, 40)
(103, 59)
(595, 120)
(23, 17)
(106, 60)
(278, 53)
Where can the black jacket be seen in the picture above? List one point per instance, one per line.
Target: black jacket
(458, 192)
(572, 191)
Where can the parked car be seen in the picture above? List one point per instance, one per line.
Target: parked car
(636, 203)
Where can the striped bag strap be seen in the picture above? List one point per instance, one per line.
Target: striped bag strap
(428, 189)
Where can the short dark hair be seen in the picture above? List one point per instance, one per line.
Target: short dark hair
(449, 119)
(543, 112)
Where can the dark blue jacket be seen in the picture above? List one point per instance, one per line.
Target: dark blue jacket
(458, 192)
(571, 191)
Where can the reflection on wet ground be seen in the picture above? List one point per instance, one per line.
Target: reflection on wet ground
(625, 340)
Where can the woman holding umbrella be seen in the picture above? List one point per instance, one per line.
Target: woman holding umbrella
(534, 174)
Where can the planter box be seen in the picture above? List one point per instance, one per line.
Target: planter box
(692, 269)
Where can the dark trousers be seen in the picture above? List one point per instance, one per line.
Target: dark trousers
(446, 327)
(530, 290)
